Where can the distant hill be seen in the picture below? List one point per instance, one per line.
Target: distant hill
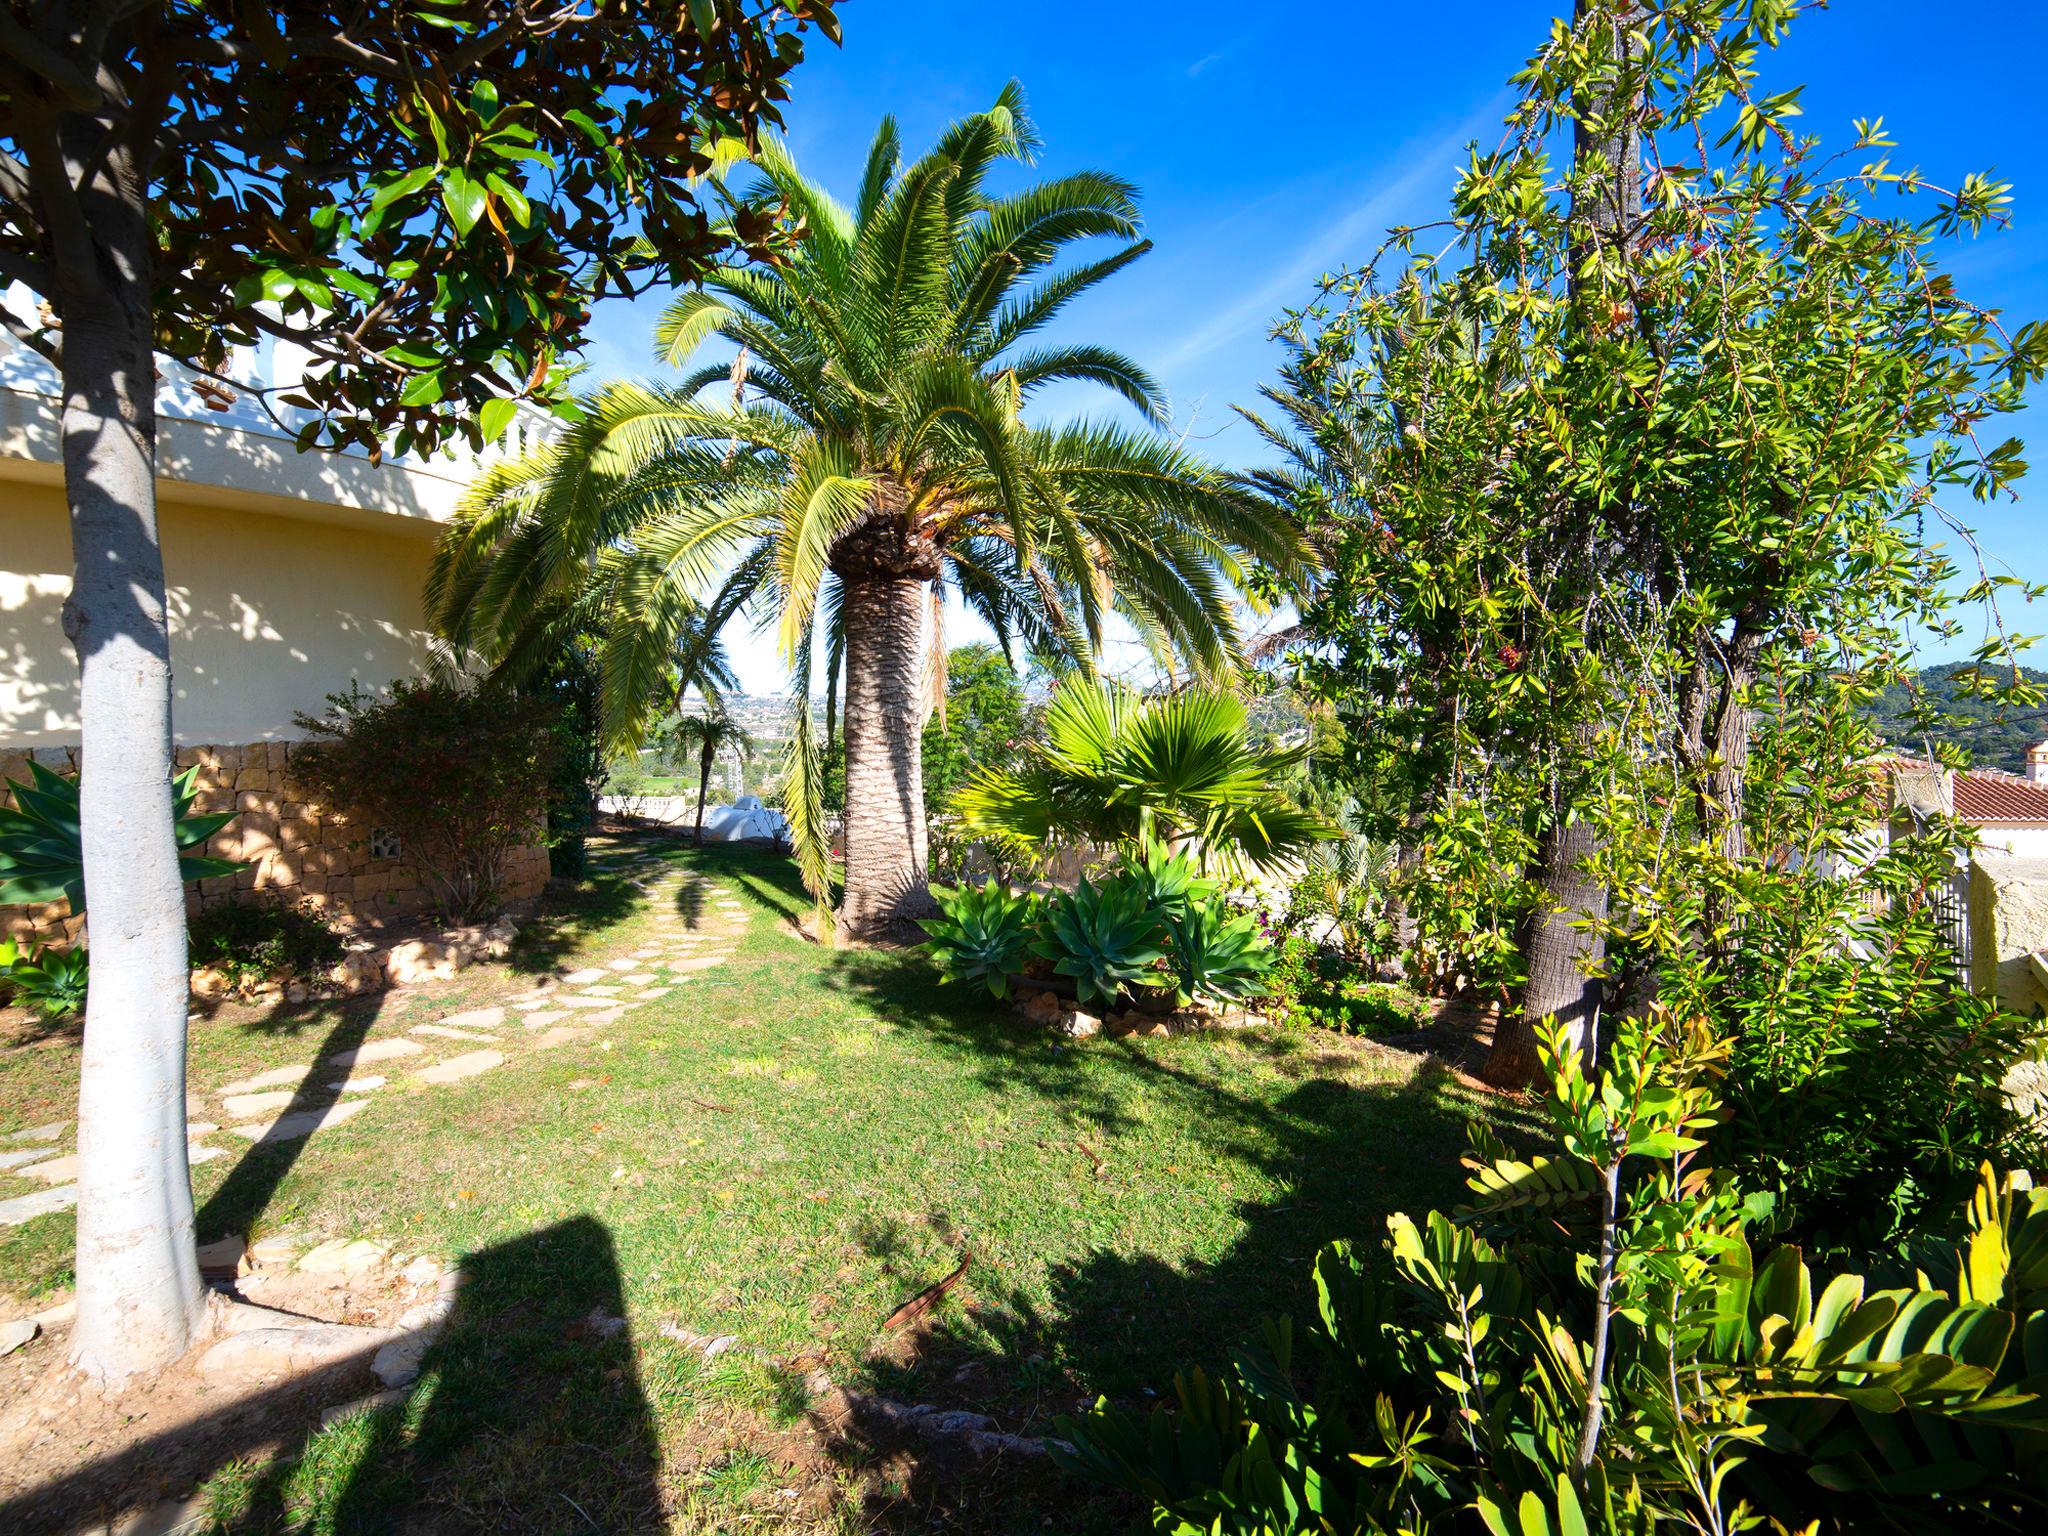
(1995, 736)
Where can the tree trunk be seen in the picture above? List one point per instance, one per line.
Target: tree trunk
(1562, 942)
(140, 1302)
(1559, 950)
(703, 786)
(883, 567)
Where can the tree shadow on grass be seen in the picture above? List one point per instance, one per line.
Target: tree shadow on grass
(241, 1198)
(529, 1417)
(1346, 1136)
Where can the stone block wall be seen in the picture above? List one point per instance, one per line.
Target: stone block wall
(297, 849)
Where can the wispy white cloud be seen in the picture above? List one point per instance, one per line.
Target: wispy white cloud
(1205, 61)
(1342, 240)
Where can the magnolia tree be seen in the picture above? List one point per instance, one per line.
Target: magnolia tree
(1664, 420)
(425, 196)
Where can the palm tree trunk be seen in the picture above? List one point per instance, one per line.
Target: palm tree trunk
(703, 785)
(884, 568)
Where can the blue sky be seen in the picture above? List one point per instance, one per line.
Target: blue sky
(1274, 143)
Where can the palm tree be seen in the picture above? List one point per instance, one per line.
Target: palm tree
(872, 455)
(710, 733)
(1115, 767)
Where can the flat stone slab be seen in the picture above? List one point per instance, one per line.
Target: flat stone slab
(628, 964)
(543, 1019)
(376, 1050)
(194, 1129)
(197, 1155)
(281, 1077)
(17, 1333)
(62, 1171)
(343, 1256)
(651, 994)
(397, 1364)
(173, 1517)
(590, 1002)
(697, 963)
(21, 1155)
(304, 1123)
(263, 1353)
(223, 1256)
(648, 953)
(580, 978)
(27, 1207)
(48, 1132)
(243, 1105)
(476, 1018)
(358, 1082)
(602, 991)
(390, 1398)
(455, 1068)
(443, 1032)
(561, 1034)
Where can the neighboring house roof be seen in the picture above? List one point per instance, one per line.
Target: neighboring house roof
(1976, 796)
(1991, 794)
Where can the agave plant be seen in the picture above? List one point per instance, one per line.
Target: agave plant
(52, 981)
(1168, 877)
(1106, 937)
(982, 935)
(1218, 955)
(1115, 766)
(40, 856)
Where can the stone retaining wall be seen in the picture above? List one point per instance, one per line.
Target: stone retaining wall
(298, 850)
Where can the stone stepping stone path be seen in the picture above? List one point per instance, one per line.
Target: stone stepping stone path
(301, 1124)
(458, 1067)
(272, 1106)
(443, 1032)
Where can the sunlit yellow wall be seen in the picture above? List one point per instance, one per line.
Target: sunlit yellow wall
(269, 613)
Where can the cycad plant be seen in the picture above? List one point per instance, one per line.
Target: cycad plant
(872, 453)
(1118, 767)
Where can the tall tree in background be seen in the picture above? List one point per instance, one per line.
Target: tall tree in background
(979, 722)
(1607, 469)
(883, 458)
(1564, 945)
(425, 195)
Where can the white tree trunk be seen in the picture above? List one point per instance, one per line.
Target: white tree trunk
(140, 1302)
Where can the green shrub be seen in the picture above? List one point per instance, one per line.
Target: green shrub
(1153, 925)
(1217, 954)
(1592, 1345)
(462, 775)
(50, 980)
(982, 934)
(1106, 937)
(41, 858)
(260, 941)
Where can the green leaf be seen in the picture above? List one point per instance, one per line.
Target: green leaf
(402, 186)
(464, 200)
(515, 200)
(494, 416)
(422, 389)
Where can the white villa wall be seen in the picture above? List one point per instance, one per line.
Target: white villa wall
(2025, 840)
(269, 614)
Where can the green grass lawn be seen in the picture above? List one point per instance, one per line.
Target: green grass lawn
(785, 1149)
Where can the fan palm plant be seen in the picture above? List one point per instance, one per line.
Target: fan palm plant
(873, 454)
(1117, 767)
